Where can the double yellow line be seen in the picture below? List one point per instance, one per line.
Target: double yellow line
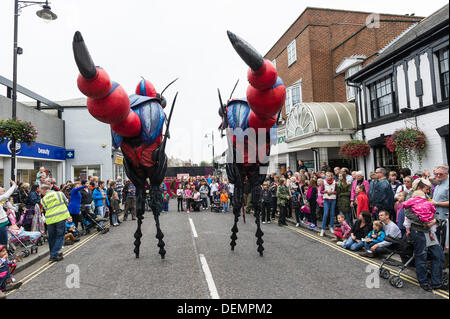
(49, 264)
(440, 292)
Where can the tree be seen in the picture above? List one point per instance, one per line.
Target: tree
(204, 163)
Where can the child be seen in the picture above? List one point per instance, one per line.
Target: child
(342, 231)
(421, 207)
(375, 236)
(362, 201)
(115, 207)
(72, 234)
(6, 269)
(166, 201)
(224, 200)
(188, 197)
(401, 197)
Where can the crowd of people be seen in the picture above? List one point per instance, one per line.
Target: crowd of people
(359, 213)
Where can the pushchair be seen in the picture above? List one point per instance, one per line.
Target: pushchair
(30, 244)
(216, 206)
(89, 221)
(405, 249)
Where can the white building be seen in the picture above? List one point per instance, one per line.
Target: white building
(407, 85)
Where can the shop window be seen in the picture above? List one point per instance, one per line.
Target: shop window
(82, 172)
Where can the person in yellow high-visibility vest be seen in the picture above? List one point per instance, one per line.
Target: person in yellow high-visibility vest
(56, 213)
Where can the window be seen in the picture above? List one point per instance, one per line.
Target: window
(381, 97)
(350, 89)
(82, 172)
(384, 158)
(291, 52)
(443, 72)
(274, 62)
(293, 96)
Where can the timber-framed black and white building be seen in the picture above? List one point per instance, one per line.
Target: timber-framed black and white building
(406, 85)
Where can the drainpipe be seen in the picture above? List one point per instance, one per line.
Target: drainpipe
(362, 125)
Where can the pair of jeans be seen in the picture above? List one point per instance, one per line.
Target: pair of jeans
(165, 206)
(114, 218)
(56, 237)
(266, 208)
(328, 206)
(274, 206)
(100, 210)
(225, 207)
(180, 203)
(420, 256)
(368, 245)
(4, 235)
(205, 202)
(283, 213)
(298, 214)
(353, 245)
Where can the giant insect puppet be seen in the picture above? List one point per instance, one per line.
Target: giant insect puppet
(258, 112)
(136, 126)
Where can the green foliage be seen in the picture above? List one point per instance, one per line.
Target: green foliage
(22, 131)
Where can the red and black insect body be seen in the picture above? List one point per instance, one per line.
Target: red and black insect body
(136, 126)
(258, 113)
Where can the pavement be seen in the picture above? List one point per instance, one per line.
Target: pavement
(297, 263)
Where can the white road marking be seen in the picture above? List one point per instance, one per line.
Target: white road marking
(209, 278)
(193, 227)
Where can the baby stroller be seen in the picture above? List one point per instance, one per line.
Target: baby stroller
(89, 221)
(29, 244)
(405, 249)
(216, 206)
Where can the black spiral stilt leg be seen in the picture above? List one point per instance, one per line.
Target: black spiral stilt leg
(160, 236)
(156, 206)
(139, 213)
(234, 229)
(259, 234)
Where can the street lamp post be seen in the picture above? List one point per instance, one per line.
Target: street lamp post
(212, 144)
(46, 14)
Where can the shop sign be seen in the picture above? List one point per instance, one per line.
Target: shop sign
(119, 160)
(35, 150)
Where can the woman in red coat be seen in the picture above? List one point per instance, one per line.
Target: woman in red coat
(362, 201)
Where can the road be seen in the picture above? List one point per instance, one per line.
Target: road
(200, 265)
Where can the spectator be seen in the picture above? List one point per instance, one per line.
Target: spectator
(71, 233)
(393, 181)
(214, 187)
(266, 197)
(188, 197)
(33, 197)
(347, 176)
(424, 245)
(115, 209)
(421, 207)
(101, 202)
(383, 198)
(283, 197)
(301, 165)
(375, 236)
(343, 198)
(165, 197)
(75, 203)
(3, 217)
(289, 172)
(224, 201)
(441, 196)
(231, 193)
(342, 230)
(6, 269)
(358, 181)
(328, 190)
(320, 199)
(119, 187)
(56, 212)
(359, 230)
(180, 196)
(401, 197)
(406, 187)
(390, 229)
(130, 203)
(362, 201)
(311, 197)
(403, 172)
(325, 167)
(337, 171)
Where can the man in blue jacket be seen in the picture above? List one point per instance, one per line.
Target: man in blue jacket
(100, 201)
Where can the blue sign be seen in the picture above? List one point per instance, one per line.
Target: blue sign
(35, 150)
(70, 154)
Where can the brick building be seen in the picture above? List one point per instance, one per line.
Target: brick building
(313, 57)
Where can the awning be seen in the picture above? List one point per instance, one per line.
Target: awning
(443, 131)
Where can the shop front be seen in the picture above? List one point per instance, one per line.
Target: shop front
(29, 159)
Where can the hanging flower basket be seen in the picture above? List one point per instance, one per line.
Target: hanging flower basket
(22, 131)
(408, 144)
(354, 149)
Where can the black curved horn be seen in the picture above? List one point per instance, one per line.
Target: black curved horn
(82, 57)
(250, 56)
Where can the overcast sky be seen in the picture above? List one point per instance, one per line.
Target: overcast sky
(162, 40)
